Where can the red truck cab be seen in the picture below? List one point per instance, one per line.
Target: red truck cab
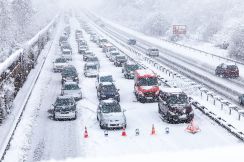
(146, 86)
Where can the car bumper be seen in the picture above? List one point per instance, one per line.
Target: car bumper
(114, 125)
(149, 98)
(182, 117)
(69, 115)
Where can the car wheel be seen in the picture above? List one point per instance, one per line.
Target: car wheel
(101, 126)
(54, 117)
(118, 99)
(75, 116)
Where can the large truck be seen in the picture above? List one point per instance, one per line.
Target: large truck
(146, 85)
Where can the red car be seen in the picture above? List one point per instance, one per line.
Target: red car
(227, 70)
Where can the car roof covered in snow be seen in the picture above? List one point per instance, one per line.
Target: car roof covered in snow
(106, 83)
(91, 63)
(69, 82)
(101, 74)
(65, 97)
(109, 101)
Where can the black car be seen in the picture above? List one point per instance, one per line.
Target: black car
(131, 42)
(69, 73)
(107, 90)
(227, 70)
(129, 68)
(120, 60)
(174, 105)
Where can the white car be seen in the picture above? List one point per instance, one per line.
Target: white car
(67, 54)
(113, 55)
(91, 69)
(111, 49)
(59, 64)
(64, 108)
(72, 89)
(153, 52)
(110, 114)
(103, 77)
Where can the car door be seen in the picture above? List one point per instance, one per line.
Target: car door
(99, 112)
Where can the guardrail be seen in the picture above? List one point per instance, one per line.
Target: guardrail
(228, 126)
(7, 142)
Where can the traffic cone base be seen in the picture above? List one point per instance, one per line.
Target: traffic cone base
(123, 133)
(192, 128)
(85, 133)
(153, 130)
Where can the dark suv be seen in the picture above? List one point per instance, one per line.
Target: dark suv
(69, 73)
(120, 60)
(129, 68)
(106, 90)
(227, 71)
(174, 105)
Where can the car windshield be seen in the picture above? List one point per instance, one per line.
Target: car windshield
(177, 99)
(71, 87)
(60, 60)
(63, 102)
(91, 67)
(66, 52)
(110, 108)
(103, 40)
(150, 81)
(154, 50)
(121, 57)
(107, 78)
(132, 67)
(114, 54)
(71, 72)
(112, 49)
(108, 88)
(232, 67)
(92, 59)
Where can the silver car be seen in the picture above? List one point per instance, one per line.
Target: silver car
(59, 64)
(64, 108)
(72, 89)
(67, 54)
(110, 114)
(91, 69)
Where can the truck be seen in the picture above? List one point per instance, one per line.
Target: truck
(146, 85)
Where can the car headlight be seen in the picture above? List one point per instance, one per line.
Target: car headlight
(140, 93)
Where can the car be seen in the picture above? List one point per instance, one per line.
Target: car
(78, 34)
(64, 108)
(241, 99)
(65, 45)
(110, 115)
(106, 90)
(67, 54)
(146, 85)
(72, 89)
(131, 41)
(93, 37)
(112, 55)
(174, 105)
(103, 77)
(91, 69)
(129, 69)
(101, 42)
(93, 59)
(59, 64)
(82, 49)
(227, 70)
(69, 73)
(152, 52)
(109, 50)
(87, 54)
(62, 39)
(120, 60)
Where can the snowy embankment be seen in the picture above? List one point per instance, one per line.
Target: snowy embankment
(10, 124)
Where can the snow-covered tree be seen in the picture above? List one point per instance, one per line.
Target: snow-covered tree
(22, 12)
(237, 43)
(156, 24)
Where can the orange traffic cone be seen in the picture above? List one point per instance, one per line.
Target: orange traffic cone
(153, 130)
(192, 128)
(123, 132)
(85, 133)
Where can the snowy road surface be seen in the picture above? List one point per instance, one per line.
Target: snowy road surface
(46, 139)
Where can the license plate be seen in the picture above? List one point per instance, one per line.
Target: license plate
(149, 98)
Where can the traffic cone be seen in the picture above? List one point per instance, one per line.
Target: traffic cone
(192, 128)
(153, 130)
(124, 133)
(85, 133)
